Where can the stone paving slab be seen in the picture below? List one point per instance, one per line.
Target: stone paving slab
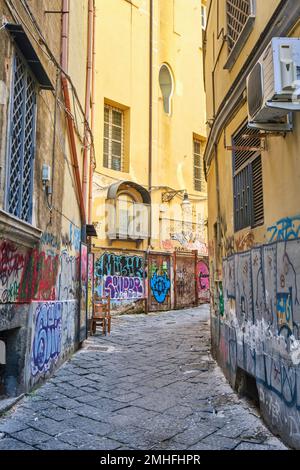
(151, 384)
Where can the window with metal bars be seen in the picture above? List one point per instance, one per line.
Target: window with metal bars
(113, 147)
(238, 12)
(247, 179)
(199, 180)
(21, 142)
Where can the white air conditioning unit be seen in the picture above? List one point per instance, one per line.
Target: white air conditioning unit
(274, 83)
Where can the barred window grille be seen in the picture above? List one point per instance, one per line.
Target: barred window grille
(21, 142)
(113, 146)
(247, 179)
(238, 12)
(199, 180)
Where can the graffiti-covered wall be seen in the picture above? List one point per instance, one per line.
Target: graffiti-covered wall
(121, 275)
(39, 309)
(203, 280)
(185, 282)
(41, 220)
(258, 331)
(140, 281)
(53, 337)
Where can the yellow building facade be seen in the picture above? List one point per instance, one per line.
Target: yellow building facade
(253, 175)
(45, 144)
(149, 192)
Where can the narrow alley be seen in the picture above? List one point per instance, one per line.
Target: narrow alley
(151, 384)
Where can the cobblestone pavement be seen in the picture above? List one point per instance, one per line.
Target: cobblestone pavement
(151, 384)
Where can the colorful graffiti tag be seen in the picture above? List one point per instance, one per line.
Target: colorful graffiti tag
(12, 262)
(90, 284)
(160, 286)
(39, 277)
(203, 281)
(46, 346)
(53, 335)
(120, 275)
(111, 264)
(126, 288)
(159, 290)
(84, 287)
(287, 228)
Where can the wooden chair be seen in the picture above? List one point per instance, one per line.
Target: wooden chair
(101, 315)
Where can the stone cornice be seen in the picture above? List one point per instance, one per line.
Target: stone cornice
(18, 231)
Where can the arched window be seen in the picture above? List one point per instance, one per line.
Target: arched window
(125, 215)
(166, 83)
(128, 211)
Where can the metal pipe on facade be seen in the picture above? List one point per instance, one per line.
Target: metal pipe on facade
(92, 155)
(89, 66)
(70, 123)
(150, 114)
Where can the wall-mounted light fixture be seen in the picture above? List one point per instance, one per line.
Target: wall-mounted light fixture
(170, 194)
(186, 202)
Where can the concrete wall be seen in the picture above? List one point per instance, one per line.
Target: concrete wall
(39, 262)
(255, 272)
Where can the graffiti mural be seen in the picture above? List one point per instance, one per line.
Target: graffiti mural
(83, 291)
(39, 292)
(203, 281)
(90, 284)
(53, 335)
(112, 264)
(159, 287)
(46, 346)
(122, 276)
(123, 287)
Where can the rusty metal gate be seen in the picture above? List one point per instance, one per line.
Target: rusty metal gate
(185, 281)
(159, 282)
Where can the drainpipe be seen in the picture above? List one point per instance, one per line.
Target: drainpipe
(65, 88)
(150, 116)
(92, 155)
(217, 175)
(89, 71)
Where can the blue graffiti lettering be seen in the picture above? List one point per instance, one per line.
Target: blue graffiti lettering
(75, 237)
(47, 337)
(285, 229)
